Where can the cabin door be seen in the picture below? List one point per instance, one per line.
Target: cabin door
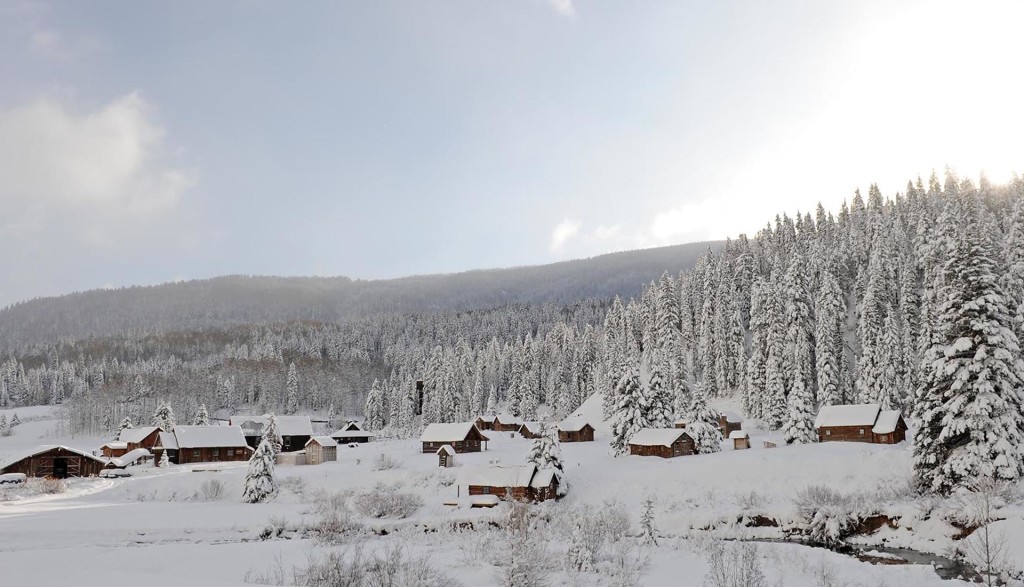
(60, 468)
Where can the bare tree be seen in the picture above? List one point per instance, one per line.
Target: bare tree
(986, 548)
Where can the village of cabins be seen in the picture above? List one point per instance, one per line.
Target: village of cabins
(236, 438)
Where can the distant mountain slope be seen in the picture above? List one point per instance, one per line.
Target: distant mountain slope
(235, 300)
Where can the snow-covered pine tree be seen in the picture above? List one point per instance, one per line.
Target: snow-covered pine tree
(659, 399)
(546, 453)
(260, 482)
(291, 400)
(374, 410)
(164, 417)
(972, 417)
(492, 402)
(165, 459)
(773, 400)
(202, 417)
(755, 384)
(799, 425)
(647, 529)
(628, 414)
(272, 434)
(828, 351)
(126, 424)
(702, 424)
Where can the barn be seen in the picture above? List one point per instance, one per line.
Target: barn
(295, 430)
(321, 449)
(60, 462)
(463, 436)
(521, 482)
(575, 429)
(530, 430)
(352, 432)
(860, 423)
(204, 444)
(661, 442)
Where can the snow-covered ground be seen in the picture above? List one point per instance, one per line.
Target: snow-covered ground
(166, 526)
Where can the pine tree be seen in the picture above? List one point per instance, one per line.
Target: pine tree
(260, 483)
(374, 410)
(291, 403)
(659, 400)
(126, 424)
(165, 459)
(647, 530)
(628, 415)
(546, 453)
(830, 315)
(202, 416)
(492, 402)
(163, 417)
(272, 434)
(702, 424)
(800, 422)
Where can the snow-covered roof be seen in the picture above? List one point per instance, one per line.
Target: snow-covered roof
(447, 448)
(657, 436)
(573, 424)
(352, 427)
(514, 476)
(130, 457)
(542, 478)
(167, 440)
(209, 437)
(506, 418)
(115, 445)
(887, 422)
(489, 418)
(286, 425)
(454, 432)
(532, 427)
(738, 434)
(47, 447)
(344, 433)
(136, 435)
(848, 415)
(322, 441)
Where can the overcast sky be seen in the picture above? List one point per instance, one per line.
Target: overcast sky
(143, 142)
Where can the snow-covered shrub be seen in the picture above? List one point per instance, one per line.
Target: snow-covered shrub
(335, 521)
(354, 568)
(52, 486)
(525, 560)
(384, 462)
(829, 515)
(210, 490)
(387, 501)
(626, 566)
(296, 485)
(736, 564)
(590, 529)
(276, 527)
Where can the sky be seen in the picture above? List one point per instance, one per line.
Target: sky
(145, 142)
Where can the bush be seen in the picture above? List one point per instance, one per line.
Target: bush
(734, 565)
(210, 490)
(353, 568)
(384, 462)
(385, 501)
(830, 516)
(51, 486)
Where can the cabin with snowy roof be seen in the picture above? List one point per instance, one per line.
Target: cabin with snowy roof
(485, 422)
(321, 449)
(530, 430)
(575, 429)
(506, 423)
(520, 482)
(860, 423)
(462, 436)
(59, 462)
(446, 456)
(352, 432)
(295, 430)
(203, 444)
(661, 442)
(740, 440)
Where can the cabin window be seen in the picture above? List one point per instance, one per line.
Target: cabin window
(215, 452)
(231, 452)
(486, 490)
(862, 432)
(828, 433)
(195, 453)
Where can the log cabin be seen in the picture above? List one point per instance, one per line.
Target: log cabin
(295, 430)
(141, 437)
(575, 429)
(352, 432)
(59, 462)
(530, 430)
(661, 442)
(506, 423)
(462, 436)
(860, 423)
(204, 444)
(485, 422)
(520, 482)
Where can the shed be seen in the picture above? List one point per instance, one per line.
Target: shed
(485, 422)
(575, 429)
(60, 462)
(661, 442)
(352, 432)
(462, 436)
(201, 444)
(530, 430)
(740, 439)
(446, 456)
(295, 430)
(321, 449)
(860, 423)
(506, 423)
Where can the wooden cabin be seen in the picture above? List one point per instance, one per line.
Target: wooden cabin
(462, 436)
(661, 442)
(142, 437)
(321, 449)
(352, 432)
(728, 423)
(740, 440)
(295, 430)
(506, 423)
(59, 462)
(530, 430)
(205, 444)
(860, 423)
(446, 456)
(575, 429)
(485, 422)
(114, 448)
(521, 482)
(166, 442)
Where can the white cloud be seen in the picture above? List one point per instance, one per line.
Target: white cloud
(93, 176)
(54, 45)
(564, 7)
(565, 230)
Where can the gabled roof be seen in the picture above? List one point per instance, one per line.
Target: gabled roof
(531, 427)
(209, 437)
(542, 478)
(136, 435)
(513, 476)
(848, 415)
(657, 436)
(738, 434)
(115, 445)
(507, 418)
(887, 422)
(573, 424)
(454, 432)
(322, 441)
(130, 457)
(286, 425)
(447, 449)
(50, 447)
(352, 427)
(488, 419)
(167, 440)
